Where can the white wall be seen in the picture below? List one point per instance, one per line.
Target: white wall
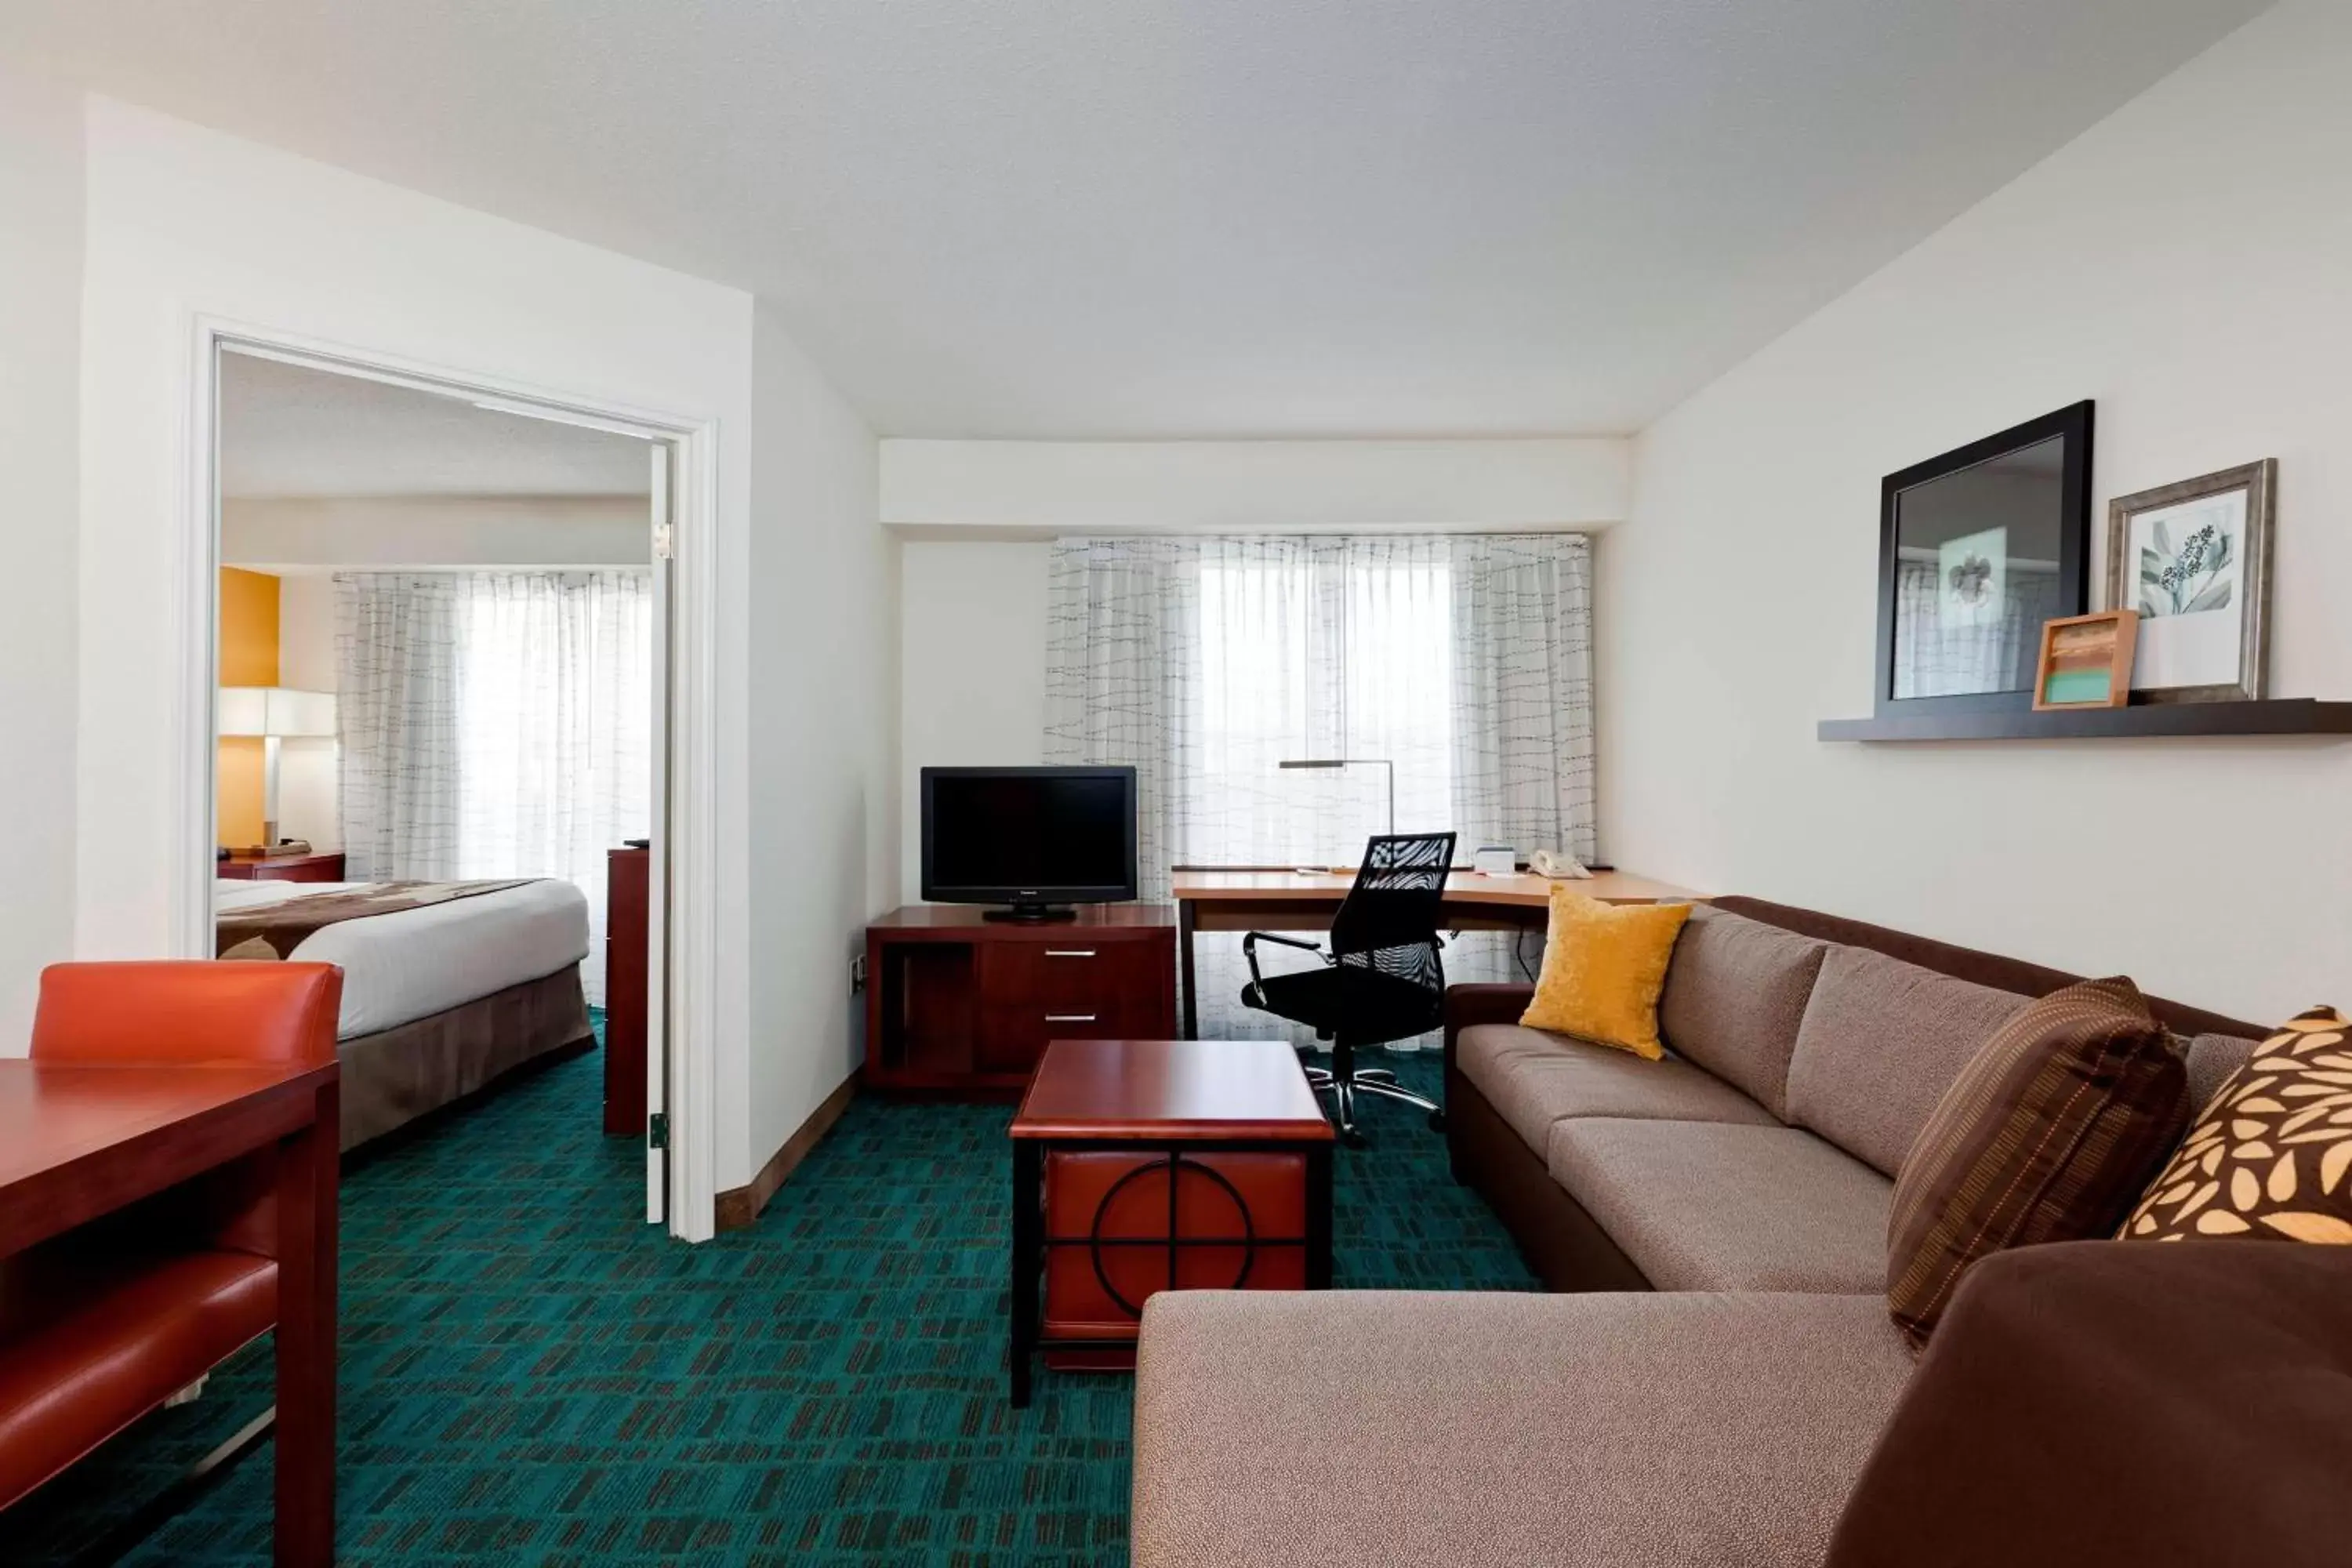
(375, 531)
(973, 657)
(40, 287)
(2188, 264)
(1094, 486)
(824, 661)
(183, 221)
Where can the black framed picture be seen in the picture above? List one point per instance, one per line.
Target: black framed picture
(1976, 548)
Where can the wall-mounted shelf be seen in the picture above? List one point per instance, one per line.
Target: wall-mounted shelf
(2279, 716)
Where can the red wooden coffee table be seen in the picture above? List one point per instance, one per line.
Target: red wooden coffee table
(1147, 1165)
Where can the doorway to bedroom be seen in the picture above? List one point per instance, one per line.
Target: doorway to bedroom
(440, 733)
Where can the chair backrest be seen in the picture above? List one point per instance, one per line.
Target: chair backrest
(188, 1011)
(1388, 920)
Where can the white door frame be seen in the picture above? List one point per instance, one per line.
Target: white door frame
(690, 992)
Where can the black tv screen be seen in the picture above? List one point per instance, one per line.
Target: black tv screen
(1028, 835)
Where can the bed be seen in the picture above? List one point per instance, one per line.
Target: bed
(446, 986)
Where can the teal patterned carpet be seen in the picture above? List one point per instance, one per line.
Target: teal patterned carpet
(530, 1375)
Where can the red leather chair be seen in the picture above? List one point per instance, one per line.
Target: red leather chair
(100, 1326)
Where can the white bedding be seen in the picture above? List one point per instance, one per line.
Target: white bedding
(406, 966)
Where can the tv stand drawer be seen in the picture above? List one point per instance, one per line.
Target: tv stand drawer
(1070, 975)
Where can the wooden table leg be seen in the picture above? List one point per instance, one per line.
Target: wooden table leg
(1028, 1238)
(1187, 918)
(308, 1167)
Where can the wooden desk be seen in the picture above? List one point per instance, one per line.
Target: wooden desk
(78, 1141)
(1291, 900)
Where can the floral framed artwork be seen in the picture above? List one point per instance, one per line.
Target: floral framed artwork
(2194, 559)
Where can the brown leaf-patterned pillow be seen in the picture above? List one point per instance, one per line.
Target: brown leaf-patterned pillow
(2273, 1156)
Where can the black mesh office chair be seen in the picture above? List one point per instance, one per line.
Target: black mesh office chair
(1381, 979)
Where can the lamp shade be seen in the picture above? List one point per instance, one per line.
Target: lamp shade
(278, 710)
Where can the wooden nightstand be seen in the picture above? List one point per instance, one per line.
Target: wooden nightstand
(282, 867)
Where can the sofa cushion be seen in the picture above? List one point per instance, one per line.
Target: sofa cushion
(1701, 1207)
(1604, 1431)
(1735, 994)
(1533, 1078)
(1881, 1041)
(2049, 1135)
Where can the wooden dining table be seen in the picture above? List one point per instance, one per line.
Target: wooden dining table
(79, 1141)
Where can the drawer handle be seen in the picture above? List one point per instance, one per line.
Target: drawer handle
(1069, 952)
(1069, 1017)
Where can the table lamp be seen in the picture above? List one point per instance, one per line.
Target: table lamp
(274, 713)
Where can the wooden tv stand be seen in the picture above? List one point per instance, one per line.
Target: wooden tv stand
(956, 1003)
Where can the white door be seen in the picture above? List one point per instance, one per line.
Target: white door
(658, 830)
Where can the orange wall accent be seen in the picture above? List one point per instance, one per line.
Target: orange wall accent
(248, 656)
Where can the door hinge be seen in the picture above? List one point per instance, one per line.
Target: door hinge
(658, 1131)
(664, 543)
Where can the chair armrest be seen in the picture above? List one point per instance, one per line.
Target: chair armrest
(1258, 936)
(1249, 949)
(1481, 1004)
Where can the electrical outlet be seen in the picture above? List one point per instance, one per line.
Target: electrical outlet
(857, 975)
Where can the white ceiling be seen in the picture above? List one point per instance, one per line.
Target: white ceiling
(286, 431)
(1157, 218)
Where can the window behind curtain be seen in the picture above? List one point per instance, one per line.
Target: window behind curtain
(496, 724)
(1316, 651)
(1464, 659)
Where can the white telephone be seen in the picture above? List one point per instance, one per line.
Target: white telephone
(1559, 867)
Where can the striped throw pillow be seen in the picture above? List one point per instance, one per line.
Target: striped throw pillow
(2048, 1134)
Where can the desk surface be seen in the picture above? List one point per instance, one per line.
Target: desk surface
(77, 1139)
(1461, 887)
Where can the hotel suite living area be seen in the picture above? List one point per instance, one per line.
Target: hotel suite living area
(1540, 784)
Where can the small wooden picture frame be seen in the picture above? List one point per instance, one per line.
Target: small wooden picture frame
(2087, 661)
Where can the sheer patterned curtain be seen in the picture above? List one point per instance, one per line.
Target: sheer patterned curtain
(496, 724)
(1464, 660)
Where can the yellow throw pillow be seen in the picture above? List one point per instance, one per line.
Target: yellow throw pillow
(1603, 967)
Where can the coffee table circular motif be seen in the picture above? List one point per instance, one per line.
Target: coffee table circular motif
(1146, 1165)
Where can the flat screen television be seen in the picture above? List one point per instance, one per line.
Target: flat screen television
(1036, 840)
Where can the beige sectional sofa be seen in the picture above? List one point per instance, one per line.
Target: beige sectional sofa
(1711, 1384)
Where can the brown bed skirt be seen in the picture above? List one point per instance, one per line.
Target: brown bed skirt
(395, 1076)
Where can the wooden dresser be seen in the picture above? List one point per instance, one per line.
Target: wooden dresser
(958, 1003)
(306, 868)
(627, 888)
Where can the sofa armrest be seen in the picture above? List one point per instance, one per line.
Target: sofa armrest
(2123, 1402)
(1481, 1004)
